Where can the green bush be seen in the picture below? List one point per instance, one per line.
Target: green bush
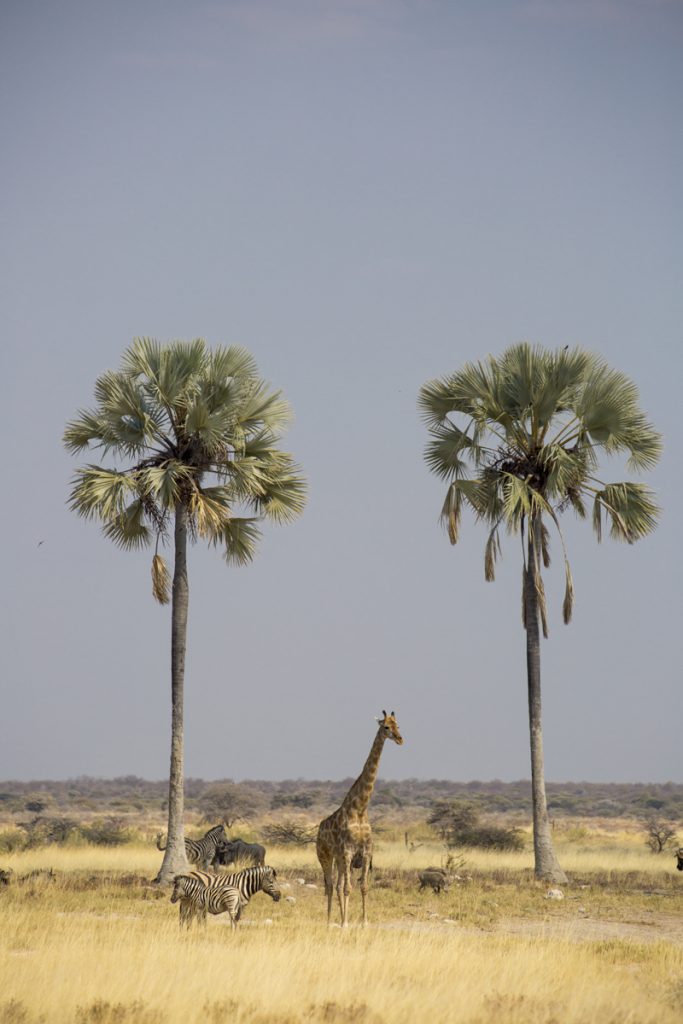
(108, 832)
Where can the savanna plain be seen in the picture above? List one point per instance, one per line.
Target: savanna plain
(86, 936)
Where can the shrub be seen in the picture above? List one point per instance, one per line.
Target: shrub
(108, 832)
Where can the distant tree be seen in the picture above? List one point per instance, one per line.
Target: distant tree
(449, 816)
(532, 426)
(230, 802)
(289, 833)
(194, 434)
(660, 834)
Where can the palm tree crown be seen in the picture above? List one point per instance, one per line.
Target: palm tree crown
(197, 428)
(533, 425)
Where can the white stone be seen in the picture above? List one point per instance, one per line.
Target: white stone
(311, 885)
(290, 899)
(301, 881)
(554, 894)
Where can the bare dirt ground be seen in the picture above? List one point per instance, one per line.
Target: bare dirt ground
(649, 927)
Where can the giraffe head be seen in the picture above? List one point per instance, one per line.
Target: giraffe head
(389, 727)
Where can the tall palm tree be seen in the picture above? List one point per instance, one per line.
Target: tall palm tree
(525, 446)
(194, 437)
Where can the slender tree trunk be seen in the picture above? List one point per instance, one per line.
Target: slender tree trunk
(546, 865)
(175, 860)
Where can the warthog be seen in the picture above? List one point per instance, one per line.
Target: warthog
(679, 858)
(434, 878)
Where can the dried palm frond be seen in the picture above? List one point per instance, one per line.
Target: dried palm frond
(161, 580)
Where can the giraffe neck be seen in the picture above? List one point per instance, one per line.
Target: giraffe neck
(358, 797)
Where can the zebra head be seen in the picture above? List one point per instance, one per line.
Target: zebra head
(389, 727)
(679, 858)
(269, 884)
(180, 884)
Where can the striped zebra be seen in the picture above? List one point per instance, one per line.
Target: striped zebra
(246, 882)
(196, 899)
(202, 851)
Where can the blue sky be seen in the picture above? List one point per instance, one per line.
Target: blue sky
(365, 194)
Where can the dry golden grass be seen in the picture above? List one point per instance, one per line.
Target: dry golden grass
(97, 943)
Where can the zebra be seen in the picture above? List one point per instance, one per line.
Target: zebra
(196, 899)
(679, 858)
(247, 882)
(202, 851)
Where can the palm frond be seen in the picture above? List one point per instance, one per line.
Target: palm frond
(545, 544)
(262, 408)
(442, 454)
(542, 604)
(631, 509)
(100, 493)
(284, 493)
(128, 529)
(165, 483)
(161, 580)
(210, 509)
(452, 510)
(239, 537)
(435, 400)
(568, 603)
(491, 554)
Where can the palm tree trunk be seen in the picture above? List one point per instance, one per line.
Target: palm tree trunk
(175, 860)
(546, 865)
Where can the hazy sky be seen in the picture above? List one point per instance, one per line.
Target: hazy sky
(366, 194)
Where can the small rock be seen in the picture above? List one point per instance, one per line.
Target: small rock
(301, 881)
(268, 920)
(554, 894)
(311, 885)
(290, 899)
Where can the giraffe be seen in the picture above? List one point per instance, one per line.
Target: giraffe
(345, 837)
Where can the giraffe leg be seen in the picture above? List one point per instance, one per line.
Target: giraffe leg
(365, 868)
(344, 884)
(327, 864)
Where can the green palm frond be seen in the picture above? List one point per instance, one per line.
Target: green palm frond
(89, 428)
(442, 454)
(631, 509)
(239, 538)
(262, 407)
(436, 400)
(233, 361)
(100, 493)
(165, 483)
(284, 490)
(128, 529)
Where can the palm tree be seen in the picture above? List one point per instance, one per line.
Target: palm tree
(533, 425)
(194, 435)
